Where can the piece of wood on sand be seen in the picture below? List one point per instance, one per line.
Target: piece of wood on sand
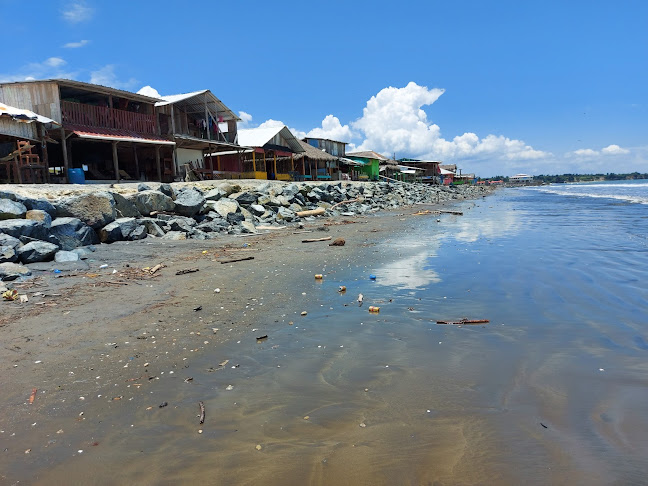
(461, 322)
(311, 212)
(234, 260)
(313, 240)
(446, 211)
(188, 270)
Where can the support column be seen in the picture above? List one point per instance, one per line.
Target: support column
(115, 161)
(66, 164)
(254, 160)
(218, 163)
(275, 165)
(137, 172)
(157, 163)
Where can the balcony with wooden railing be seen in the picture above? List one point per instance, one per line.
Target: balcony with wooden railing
(105, 117)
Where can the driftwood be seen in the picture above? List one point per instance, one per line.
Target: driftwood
(188, 270)
(312, 240)
(465, 321)
(201, 405)
(458, 213)
(156, 268)
(237, 260)
(345, 202)
(311, 212)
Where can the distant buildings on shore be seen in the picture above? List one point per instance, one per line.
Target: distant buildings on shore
(59, 130)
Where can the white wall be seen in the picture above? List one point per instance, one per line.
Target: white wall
(189, 155)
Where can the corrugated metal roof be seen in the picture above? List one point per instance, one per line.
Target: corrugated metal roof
(259, 137)
(24, 116)
(116, 135)
(445, 171)
(369, 154)
(194, 102)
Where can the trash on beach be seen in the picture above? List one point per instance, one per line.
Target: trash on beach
(456, 213)
(544, 425)
(188, 270)
(373, 308)
(217, 291)
(229, 387)
(372, 277)
(199, 308)
(188, 379)
(312, 240)
(162, 405)
(342, 288)
(156, 268)
(360, 298)
(338, 242)
(105, 265)
(319, 276)
(10, 294)
(311, 212)
(262, 338)
(304, 313)
(201, 406)
(237, 260)
(465, 321)
(424, 212)
(258, 447)
(32, 397)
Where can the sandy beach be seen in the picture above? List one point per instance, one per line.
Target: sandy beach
(93, 342)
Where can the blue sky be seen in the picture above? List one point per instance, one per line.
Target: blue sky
(497, 87)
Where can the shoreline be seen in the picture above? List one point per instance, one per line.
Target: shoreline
(82, 347)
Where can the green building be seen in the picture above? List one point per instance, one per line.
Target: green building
(370, 163)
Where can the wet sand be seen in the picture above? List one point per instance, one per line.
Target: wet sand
(103, 347)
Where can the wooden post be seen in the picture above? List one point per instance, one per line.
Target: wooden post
(292, 162)
(115, 161)
(157, 163)
(137, 172)
(303, 165)
(254, 160)
(265, 165)
(66, 164)
(218, 163)
(275, 164)
(207, 118)
(44, 155)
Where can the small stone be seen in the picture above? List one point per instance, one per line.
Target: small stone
(258, 447)
(304, 313)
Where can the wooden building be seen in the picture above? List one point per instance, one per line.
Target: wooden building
(331, 147)
(315, 164)
(429, 174)
(109, 133)
(269, 155)
(201, 127)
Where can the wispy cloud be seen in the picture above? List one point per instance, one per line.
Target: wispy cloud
(589, 153)
(76, 45)
(52, 67)
(77, 11)
(246, 118)
(106, 76)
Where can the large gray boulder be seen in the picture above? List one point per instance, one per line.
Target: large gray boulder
(189, 202)
(66, 256)
(11, 209)
(73, 233)
(40, 216)
(225, 206)
(8, 254)
(245, 198)
(42, 204)
(248, 227)
(12, 271)
(235, 218)
(152, 227)
(150, 201)
(23, 227)
(180, 224)
(37, 251)
(285, 214)
(125, 207)
(215, 226)
(257, 209)
(215, 194)
(95, 209)
(291, 190)
(7, 240)
(228, 188)
(122, 229)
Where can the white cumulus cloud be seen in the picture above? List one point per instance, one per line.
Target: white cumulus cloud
(246, 118)
(332, 129)
(77, 11)
(614, 150)
(76, 45)
(149, 91)
(394, 121)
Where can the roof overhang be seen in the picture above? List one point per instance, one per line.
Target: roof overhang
(24, 116)
(187, 141)
(110, 135)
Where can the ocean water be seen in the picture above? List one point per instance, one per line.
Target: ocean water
(552, 390)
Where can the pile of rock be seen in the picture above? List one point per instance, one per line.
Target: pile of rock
(39, 229)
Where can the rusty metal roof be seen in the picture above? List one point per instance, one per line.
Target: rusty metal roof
(24, 116)
(113, 134)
